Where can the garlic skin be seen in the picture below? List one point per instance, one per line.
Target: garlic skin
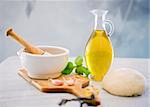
(70, 81)
(124, 82)
(57, 82)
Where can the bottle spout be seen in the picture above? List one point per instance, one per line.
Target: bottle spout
(99, 13)
(100, 20)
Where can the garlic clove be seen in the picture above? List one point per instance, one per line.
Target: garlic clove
(57, 82)
(69, 81)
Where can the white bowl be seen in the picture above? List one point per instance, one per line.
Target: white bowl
(44, 67)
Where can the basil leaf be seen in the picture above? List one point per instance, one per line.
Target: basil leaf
(79, 61)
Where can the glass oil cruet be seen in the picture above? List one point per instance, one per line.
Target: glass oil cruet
(99, 50)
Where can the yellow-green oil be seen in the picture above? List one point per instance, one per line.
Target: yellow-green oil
(98, 54)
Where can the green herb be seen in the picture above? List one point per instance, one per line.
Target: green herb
(70, 65)
(79, 68)
(68, 68)
(79, 61)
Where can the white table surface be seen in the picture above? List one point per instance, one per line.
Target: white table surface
(16, 92)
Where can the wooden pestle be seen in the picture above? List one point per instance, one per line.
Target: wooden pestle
(30, 48)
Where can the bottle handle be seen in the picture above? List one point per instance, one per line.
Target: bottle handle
(111, 27)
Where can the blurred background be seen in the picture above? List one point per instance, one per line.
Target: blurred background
(69, 24)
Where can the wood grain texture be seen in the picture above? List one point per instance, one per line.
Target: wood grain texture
(78, 89)
(29, 48)
(47, 86)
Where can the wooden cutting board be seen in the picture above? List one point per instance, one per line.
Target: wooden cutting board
(78, 89)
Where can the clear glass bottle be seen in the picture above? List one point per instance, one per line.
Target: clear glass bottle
(99, 50)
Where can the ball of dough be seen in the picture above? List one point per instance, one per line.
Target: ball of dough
(124, 82)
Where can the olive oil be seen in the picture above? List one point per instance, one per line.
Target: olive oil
(98, 50)
(98, 54)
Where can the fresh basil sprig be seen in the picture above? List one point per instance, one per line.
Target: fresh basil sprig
(79, 68)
